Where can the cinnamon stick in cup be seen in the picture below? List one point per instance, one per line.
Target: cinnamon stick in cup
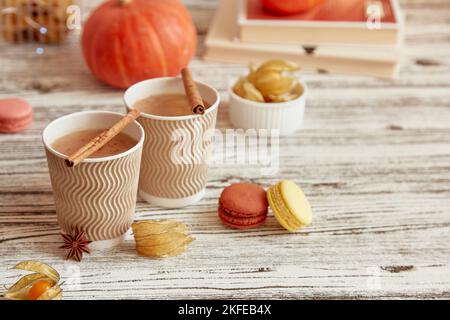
(103, 138)
(192, 93)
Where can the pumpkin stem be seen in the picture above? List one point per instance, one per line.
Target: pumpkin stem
(124, 2)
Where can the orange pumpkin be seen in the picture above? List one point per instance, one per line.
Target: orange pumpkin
(286, 7)
(127, 41)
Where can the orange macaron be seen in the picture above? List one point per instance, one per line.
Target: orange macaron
(15, 115)
(243, 205)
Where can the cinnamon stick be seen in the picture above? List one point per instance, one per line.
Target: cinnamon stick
(192, 93)
(103, 138)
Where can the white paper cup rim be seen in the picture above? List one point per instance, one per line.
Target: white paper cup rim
(127, 94)
(138, 145)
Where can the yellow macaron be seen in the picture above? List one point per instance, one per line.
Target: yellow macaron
(289, 205)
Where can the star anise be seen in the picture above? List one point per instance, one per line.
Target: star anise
(77, 244)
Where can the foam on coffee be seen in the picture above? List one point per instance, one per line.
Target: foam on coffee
(167, 105)
(72, 142)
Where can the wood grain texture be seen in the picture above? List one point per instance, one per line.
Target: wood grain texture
(373, 157)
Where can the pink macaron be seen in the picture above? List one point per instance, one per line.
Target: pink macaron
(243, 205)
(15, 115)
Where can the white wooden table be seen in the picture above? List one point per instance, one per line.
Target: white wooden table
(373, 157)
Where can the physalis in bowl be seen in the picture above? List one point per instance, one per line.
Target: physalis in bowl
(42, 284)
(272, 81)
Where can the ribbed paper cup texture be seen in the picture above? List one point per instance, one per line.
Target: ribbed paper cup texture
(174, 160)
(98, 196)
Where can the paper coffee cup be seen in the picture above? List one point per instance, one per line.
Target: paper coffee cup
(174, 161)
(99, 195)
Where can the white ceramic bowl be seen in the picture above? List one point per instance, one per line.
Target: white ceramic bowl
(287, 117)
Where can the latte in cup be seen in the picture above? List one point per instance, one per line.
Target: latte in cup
(99, 195)
(168, 105)
(72, 142)
(177, 143)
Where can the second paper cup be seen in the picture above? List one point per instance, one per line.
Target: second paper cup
(99, 195)
(174, 167)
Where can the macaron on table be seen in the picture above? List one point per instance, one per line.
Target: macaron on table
(357, 205)
(243, 206)
(290, 205)
(15, 115)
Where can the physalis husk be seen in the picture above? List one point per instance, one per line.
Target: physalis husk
(42, 284)
(272, 81)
